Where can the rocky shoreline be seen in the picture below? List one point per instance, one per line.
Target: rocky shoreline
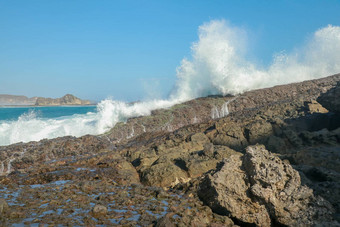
(266, 157)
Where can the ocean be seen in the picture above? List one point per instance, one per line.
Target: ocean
(8, 113)
(24, 124)
(27, 123)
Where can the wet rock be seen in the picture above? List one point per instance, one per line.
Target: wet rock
(99, 210)
(259, 188)
(3, 206)
(166, 221)
(164, 174)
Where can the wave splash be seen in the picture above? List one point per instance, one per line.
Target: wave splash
(218, 66)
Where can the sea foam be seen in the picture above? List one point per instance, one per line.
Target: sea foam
(218, 65)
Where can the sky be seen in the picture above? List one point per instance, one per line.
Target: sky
(129, 50)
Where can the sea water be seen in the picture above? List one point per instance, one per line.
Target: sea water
(9, 113)
(23, 124)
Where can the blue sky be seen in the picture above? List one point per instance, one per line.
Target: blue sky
(130, 49)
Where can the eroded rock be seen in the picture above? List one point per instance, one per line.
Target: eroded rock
(260, 188)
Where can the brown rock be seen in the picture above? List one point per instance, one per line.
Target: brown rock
(99, 210)
(3, 206)
(259, 187)
(225, 191)
(315, 107)
(166, 221)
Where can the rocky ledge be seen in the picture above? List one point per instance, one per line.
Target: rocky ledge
(65, 100)
(268, 157)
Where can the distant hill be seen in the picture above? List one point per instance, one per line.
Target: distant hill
(16, 100)
(65, 100)
(21, 100)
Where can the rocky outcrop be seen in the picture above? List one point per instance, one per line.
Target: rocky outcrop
(260, 188)
(16, 100)
(65, 100)
(123, 176)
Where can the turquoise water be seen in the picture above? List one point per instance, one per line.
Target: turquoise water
(23, 124)
(13, 113)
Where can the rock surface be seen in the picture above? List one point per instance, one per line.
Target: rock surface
(260, 188)
(331, 100)
(65, 100)
(148, 170)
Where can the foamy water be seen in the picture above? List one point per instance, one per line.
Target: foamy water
(218, 65)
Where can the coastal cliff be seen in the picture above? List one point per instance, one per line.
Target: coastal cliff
(268, 157)
(65, 100)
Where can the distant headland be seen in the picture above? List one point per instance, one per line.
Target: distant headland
(20, 100)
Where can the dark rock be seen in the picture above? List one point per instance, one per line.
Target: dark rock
(331, 99)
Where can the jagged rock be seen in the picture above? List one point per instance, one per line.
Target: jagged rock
(179, 162)
(225, 192)
(228, 134)
(259, 188)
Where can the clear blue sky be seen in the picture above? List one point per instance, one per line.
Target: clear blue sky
(95, 49)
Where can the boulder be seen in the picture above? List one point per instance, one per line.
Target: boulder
(99, 210)
(259, 188)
